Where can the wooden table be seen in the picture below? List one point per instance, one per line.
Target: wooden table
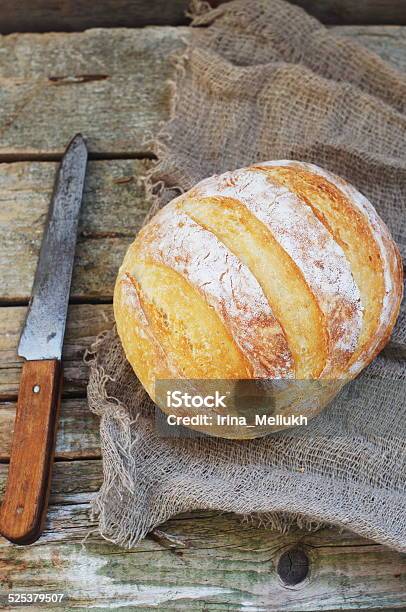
(110, 84)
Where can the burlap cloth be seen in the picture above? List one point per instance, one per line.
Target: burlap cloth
(259, 81)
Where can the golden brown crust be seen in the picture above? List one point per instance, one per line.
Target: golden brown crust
(187, 329)
(351, 231)
(391, 260)
(141, 348)
(224, 282)
(308, 243)
(293, 303)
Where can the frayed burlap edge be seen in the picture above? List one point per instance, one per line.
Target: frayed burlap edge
(155, 189)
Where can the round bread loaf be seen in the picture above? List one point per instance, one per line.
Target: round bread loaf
(280, 272)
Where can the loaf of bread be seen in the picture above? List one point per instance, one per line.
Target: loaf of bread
(280, 271)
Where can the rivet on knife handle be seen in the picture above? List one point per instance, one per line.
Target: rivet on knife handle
(25, 501)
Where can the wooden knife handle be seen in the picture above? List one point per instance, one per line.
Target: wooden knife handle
(25, 502)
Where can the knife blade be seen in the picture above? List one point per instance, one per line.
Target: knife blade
(44, 327)
(24, 506)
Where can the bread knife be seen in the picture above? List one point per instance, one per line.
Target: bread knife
(25, 502)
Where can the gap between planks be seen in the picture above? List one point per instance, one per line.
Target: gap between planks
(11, 303)
(11, 158)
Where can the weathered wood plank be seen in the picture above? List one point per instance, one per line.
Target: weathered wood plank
(46, 16)
(74, 15)
(113, 208)
(198, 562)
(85, 322)
(108, 84)
(72, 482)
(77, 435)
(368, 12)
